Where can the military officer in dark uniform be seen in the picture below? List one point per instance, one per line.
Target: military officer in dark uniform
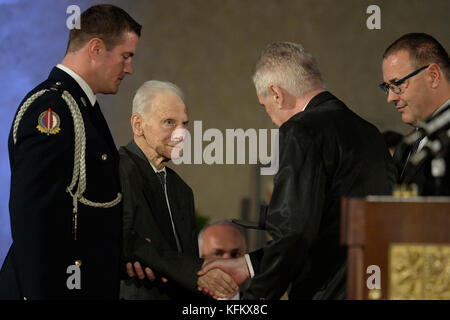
(65, 200)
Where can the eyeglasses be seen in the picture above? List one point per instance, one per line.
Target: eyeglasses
(395, 87)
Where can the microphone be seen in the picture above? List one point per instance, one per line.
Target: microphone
(440, 121)
(430, 148)
(435, 152)
(437, 129)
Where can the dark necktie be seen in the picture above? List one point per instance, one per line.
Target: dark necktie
(162, 179)
(411, 153)
(416, 143)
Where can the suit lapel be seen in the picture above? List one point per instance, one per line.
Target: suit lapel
(176, 207)
(400, 159)
(410, 170)
(153, 193)
(156, 200)
(406, 171)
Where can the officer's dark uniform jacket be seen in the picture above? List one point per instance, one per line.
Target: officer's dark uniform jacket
(41, 209)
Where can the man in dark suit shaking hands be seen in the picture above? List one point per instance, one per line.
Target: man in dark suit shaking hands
(160, 235)
(326, 152)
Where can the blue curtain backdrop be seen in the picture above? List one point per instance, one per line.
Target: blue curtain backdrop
(33, 39)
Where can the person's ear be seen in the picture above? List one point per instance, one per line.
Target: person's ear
(434, 74)
(136, 124)
(277, 96)
(96, 48)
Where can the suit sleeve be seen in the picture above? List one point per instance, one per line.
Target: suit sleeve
(180, 268)
(129, 209)
(294, 215)
(256, 258)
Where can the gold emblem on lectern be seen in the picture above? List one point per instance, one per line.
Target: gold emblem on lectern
(419, 272)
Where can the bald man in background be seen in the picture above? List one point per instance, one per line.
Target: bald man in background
(222, 239)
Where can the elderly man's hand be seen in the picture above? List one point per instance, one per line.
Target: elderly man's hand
(135, 269)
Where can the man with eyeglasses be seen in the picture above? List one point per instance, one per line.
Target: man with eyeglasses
(416, 74)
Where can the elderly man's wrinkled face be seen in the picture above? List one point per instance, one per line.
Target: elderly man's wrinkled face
(165, 124)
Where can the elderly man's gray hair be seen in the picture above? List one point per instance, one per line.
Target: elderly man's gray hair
(148, 91)
(287, 65)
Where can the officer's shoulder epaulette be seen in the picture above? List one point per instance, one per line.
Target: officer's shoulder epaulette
(52, 91)
(48, 93)
(44, 102)
(55, 86)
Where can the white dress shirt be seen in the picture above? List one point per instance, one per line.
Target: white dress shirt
(83, 84)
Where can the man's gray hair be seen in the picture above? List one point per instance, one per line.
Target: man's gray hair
(219, 222)
(148, 91)
(287, 65)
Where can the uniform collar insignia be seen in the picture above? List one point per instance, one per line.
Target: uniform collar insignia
(83, 101)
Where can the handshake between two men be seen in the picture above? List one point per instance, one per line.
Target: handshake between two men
(212, 280)
(223, 270)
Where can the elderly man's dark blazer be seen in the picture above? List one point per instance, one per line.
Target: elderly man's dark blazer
(326, 152)
(146, 216)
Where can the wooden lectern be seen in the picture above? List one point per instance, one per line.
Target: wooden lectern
(408, 239)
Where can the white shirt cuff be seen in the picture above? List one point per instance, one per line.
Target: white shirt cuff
(249, 265)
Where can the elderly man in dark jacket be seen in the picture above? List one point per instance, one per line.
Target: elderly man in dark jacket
(326, 152)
